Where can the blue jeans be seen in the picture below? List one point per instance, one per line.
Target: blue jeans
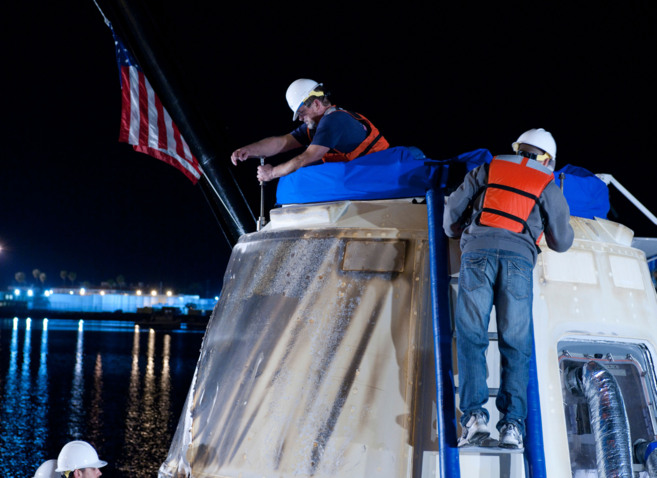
(504, 279)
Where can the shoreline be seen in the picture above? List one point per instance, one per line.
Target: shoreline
(150, 319)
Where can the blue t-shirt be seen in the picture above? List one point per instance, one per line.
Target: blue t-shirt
(336, 130)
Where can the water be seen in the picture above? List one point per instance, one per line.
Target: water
(115, 385)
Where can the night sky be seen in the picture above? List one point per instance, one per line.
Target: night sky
(444, 77)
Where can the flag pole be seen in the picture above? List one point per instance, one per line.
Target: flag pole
(134, 25)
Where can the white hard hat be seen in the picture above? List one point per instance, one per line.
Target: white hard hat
(298, 92)
(76, 455)
(538, 138)
(47, 470)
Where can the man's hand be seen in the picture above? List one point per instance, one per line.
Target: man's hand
(240, 154)
(266, 173)
(312, 154)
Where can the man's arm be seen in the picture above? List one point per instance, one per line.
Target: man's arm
(559, 234)
(457, 203)
(312, 154)
(265, 147)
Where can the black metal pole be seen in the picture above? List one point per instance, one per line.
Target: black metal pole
(135, 25)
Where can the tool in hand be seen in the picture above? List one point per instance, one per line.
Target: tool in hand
(261, 219)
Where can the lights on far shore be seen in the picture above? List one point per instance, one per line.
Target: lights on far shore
(99, 299)
(31, 293)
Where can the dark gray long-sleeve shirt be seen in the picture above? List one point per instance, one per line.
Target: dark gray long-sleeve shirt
(559, 233)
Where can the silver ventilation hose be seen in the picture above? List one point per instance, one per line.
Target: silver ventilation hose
(646, 453)
(609, 424)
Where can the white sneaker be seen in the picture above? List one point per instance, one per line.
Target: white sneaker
(510, 436)
(475, 430)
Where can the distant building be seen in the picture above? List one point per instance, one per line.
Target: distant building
(101, 300)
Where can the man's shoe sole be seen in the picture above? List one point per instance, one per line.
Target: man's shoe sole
(511, 447)
(476, 439)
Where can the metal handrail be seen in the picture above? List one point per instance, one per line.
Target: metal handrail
(609, 179)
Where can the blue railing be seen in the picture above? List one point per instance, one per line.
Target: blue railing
(448, 455)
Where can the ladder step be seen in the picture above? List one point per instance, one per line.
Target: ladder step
(489, 448)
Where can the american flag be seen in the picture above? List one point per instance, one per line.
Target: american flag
(145, 123)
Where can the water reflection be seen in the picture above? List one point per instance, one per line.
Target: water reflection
(165, 387)
(132, 420)
(8, 427)
(146, 417)
(95, 422)
(110, 384)
(76, 408)
(40, 416)
(24, 405)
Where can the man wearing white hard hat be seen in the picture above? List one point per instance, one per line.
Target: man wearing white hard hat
(48, 469)
(78, 459)
(500, 212)
(329, 133)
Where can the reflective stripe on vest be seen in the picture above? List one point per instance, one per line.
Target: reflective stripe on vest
(514, 186)
(373, 142)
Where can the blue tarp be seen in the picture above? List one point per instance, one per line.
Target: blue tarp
(405, 172)
(472, 159)
(394, 173)
(587, 194)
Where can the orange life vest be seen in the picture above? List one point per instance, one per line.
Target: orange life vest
(514, 186)
(373, 142)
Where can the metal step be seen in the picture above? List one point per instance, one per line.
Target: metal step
(502, 462)
(489, 447)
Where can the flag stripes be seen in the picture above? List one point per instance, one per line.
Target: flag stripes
(145, 123)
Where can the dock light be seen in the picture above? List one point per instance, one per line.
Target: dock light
(17, 292)
(102, 292)
(169, 293)
(30, 293)
(138, 292)
(70, 292)
(153, 293)
(82, 291)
